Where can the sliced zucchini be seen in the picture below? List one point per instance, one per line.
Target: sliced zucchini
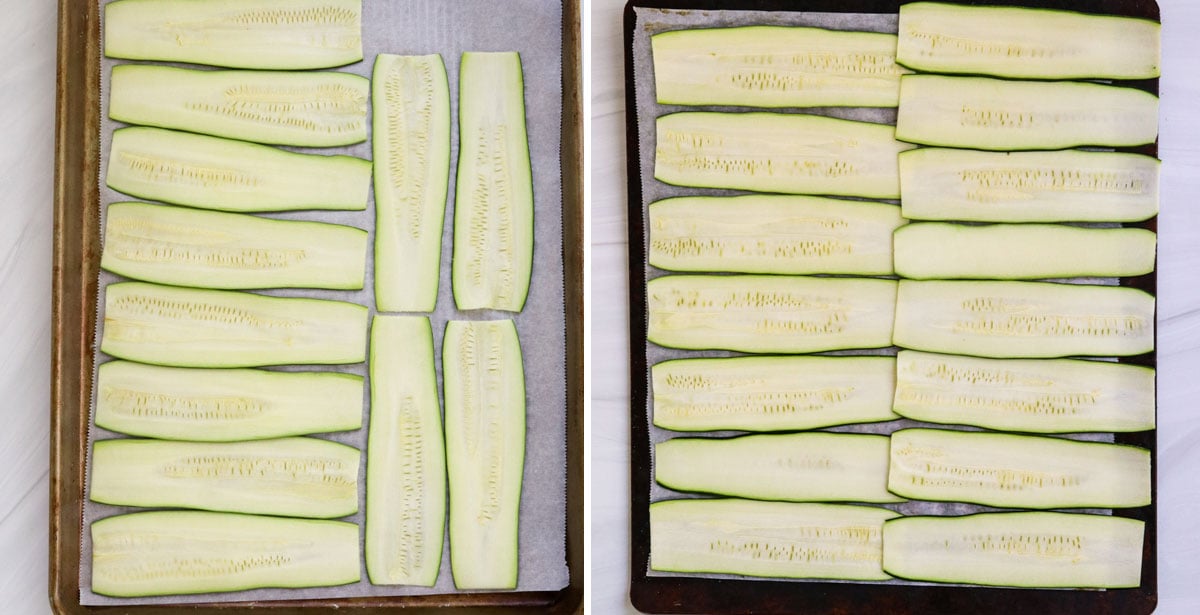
(493, 200)
(1044, 396)
(768, 539)
(314, 109)
(175, 403)
(406, 459)
(411, 101)
(774, 66)
(1070, 185)
(182, 552)
(803, 467)
(186, 327)
(776, 152)
(1021, 251)
(1016, 549)
(1023, 319)
(772, 234)
(1005, 470)
(996, 114)
(1010, 41)
(772, 393)
(208, 249)
(296, 477)
(783, 314)
(215, 173)
(286, 34)
(484, 385)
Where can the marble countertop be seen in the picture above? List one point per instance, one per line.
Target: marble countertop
(1178, 312)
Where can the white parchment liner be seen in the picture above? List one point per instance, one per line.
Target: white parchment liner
(413, 27)
(652, 21)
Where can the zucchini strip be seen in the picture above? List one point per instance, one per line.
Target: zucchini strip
(774, 66)
(280, 34)
(406, 459)
(1028, 43)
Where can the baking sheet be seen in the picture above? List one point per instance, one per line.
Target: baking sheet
(533, 28)
(649, 21)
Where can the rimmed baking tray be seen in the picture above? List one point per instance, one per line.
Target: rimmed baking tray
(75, 274)
(682, 594)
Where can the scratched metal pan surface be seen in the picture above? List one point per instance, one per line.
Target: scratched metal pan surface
(672, 593)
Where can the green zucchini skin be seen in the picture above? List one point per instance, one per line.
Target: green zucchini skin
(215, 173)
(1062, 186)
(770, 314)
(1016, 549)
(804, 467)
(776, 66)
(778, 152)
(186, 327)
(272, 34)
(493, 199)
(315, 109)
(935, 250)
(1033, 395)
(1027, 43)
(411, 145)
(299, 477)
(209, 249)
(772, 393)
(773, 234)
(483, 381)
(173, 403)
(406, 456)
(139, 554)
(1023, 319)
(768, 539)
(1015, 471)
(996, 114)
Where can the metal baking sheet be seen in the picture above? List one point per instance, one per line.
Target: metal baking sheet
(655, 591)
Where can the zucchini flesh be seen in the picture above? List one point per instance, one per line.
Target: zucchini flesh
(291, 34)
(1017, 549)
(183, 552)
(208, 249)
(298, 477)
(772, 393)
(493, 201)
(1005, 470)
(768, 539)
(484, 385)
(772, 234)
(406, 459)
(411, 100)
(1021, 251)
(220, 406)
(1023, 319)
(1040, 396)
(186, 327)
(995, 114)
(784, 314)
(1026, 42)
(773, 66)
(1070, 185)
(805, 467)
(314, 109)
(774, 152)
(215, 173)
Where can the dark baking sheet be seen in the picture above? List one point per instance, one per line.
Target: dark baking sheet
(76, 258)
(681, 594)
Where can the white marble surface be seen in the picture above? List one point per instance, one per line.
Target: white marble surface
(1179, 315)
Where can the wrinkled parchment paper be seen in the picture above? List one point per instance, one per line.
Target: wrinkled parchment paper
(412, 27)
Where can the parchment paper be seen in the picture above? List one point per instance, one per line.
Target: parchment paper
(653, 21)
(533, 28)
